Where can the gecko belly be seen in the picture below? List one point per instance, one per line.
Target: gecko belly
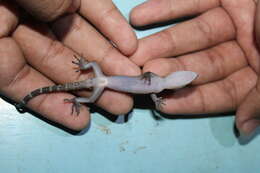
(134, 85)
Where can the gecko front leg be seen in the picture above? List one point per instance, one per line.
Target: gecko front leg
(85, 65)
(147, 77)
(76, 101)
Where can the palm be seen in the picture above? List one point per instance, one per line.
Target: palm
(218, 45)
(32, 56)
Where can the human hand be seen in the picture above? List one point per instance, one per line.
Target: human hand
(35, 54)
(218, 44)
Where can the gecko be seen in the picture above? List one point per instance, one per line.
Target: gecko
(147, 83)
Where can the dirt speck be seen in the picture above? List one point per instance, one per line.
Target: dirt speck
(139, 149)
(122, 146)
(104, 129)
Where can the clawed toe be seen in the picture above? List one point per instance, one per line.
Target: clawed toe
(75, 105)
(79, 62)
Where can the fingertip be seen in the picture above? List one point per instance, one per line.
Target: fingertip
(135, 16)
(79, 122)
(140, 15)
(249, 127)
(9, 18)
(127, 43)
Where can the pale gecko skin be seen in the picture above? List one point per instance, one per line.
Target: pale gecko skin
(147, 83)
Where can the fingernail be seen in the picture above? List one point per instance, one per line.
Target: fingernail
(236, 131)
(249, 128)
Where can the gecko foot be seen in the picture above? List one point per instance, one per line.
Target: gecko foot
(80, 62)
(159, 103)
(146, 77)
(75, 105)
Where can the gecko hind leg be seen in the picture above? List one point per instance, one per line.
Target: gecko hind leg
(76, 101)
(158, 101)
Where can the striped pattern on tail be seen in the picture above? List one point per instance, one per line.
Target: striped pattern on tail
(55, 88)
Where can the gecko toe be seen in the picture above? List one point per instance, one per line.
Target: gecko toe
(159, 103)
(75, 105)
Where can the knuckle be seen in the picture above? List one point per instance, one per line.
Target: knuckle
(167, 37)
(205, 29)
(215, 59)
(203, 106)
(12, 63)
(230, 90)
(181, 64)
(54, 50)
(16, 79)
(106, 53)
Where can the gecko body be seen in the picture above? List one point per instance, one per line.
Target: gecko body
(148, 83)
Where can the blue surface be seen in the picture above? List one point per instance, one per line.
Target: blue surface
(143, 144)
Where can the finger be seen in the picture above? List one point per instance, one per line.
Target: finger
(248, 113)
(54, 60)
(18, 79)
(215, 97)
(74, 32)
(8, 18)
(245, 28)
(212, 64)
(153, 11)
(48, 10)
(199, 33)
(107, 18)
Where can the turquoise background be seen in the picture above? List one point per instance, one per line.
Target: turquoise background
(143, 144)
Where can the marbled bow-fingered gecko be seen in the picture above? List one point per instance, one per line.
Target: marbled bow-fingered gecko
(147, 83)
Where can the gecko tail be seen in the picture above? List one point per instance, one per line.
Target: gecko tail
(50, 89)
(179, 79)
(20, 107)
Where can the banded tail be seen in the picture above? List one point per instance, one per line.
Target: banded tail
(55, 88)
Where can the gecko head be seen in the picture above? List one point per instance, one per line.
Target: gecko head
(179, 79)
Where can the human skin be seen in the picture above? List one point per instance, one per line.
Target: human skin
(35, 54)
(218, 44)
